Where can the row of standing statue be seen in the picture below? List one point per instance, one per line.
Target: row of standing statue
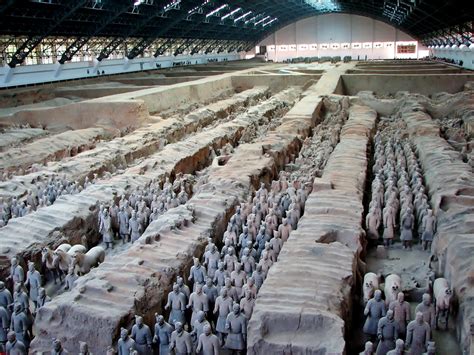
(398, 195)
(45, 193)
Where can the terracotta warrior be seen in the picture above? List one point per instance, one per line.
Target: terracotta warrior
(15, 346)
(17, 274)
(372, 222)
(374, 311)
(401, 312)
(259, 276)
(177, 302)
(387, 333)
(399, 348)
(6, 298)
(407, 224)
(247, 303)
(198, 326)
(418, 335)
(208, 343)
(238, 278)
(123, 224)
(142, 335)
(33, 282)
(105, 228)
(197, 274)
(389, 225)
(4, 325)
(198, 302)
(84, 348)
(211, 258)
(222, 308)
(429, 227)
(181, 341)
(220, 275)
(43, 298)
(236, 327)
(428, 310)
(162, 336)
(134, 227)
(125, 344)
(284, 230)
(183, 287)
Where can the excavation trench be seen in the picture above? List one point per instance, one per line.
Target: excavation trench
(138, 281)
(305, 302)
(74, 215)
(142, 142)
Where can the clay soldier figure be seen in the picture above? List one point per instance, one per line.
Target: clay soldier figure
(246, 304)
(222, 308)
(134, 227)
(33, 282)
(4, 325)
(250, 286)
(220, 276)
(212, 293)
(231, 291)
(125, 343)
(284, 230)
(198, 326)
(368, 349)
(183, 288)
(17, 274)
(181, 341)
(429, 227)
(428, 310)
(374, 310)
(177, 302)
(238, 278)
(58, 348)
(401, 312)
(105, 229)
(142, 335)
(42, 298)
(372, 222)
(19, 324)
(387, 333)
(229, 260)
(407, 224)
(259, 276)
(197, 274)
(123, 224)
(20, 297)
(211, 258)
(248, 264)
(208, 343)
(162, 336)
(198, 302)
(236, 326)
(418, 335)
(389, 225)
(399, 348)
(6, 298)
(15, 346)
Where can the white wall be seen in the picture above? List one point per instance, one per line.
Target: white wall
(337, 29)
(32, 74)
(466, 55)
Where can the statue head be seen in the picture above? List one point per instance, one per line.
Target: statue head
(180, 281)
(196, 262)
(139, 321)
(179, 327)
(224, 292)
(2, 285)
(236, 308)
(378, 295)
(57, 345)
(123, 334)
(399, 344)
(220, 265)
(251, 281)
(401, 297)
(198, 289)
(31, 266)
(228, 282)
(238, 267)
(419, 317)
(201, 316)
(11, 336)
(369, 347)
(207, 329)
(159, 319)
(14, 261)
(426, 299)
(176, 288)
(83, 348)
(390, 314)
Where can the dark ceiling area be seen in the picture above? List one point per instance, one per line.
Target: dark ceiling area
(212, 24)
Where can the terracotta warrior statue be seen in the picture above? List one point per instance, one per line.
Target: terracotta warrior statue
(418, 335)
(401, 312)
(33, 282)
(368, 349)
(105, 228)
(177, 302)
(58, 348)
(181, 341)
(208, 343)
(125, 344)
(374, 311)
(428, 310)
(222, 308)
(387, 333)
(14, 346)
(198, 302)
(236, 326)
(142, 335)
(162, 336)
(399, 348)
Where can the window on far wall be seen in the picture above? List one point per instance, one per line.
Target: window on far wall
(406, 48)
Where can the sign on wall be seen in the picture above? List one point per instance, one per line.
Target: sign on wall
(335, 46)
(378, 45)
(313, 47)
(283, 48)
(271, 48)
(367, 45)
(292, 47)
(356, 45)
(389, 44)
(345, 45)
(324, 46)
(303, 47)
